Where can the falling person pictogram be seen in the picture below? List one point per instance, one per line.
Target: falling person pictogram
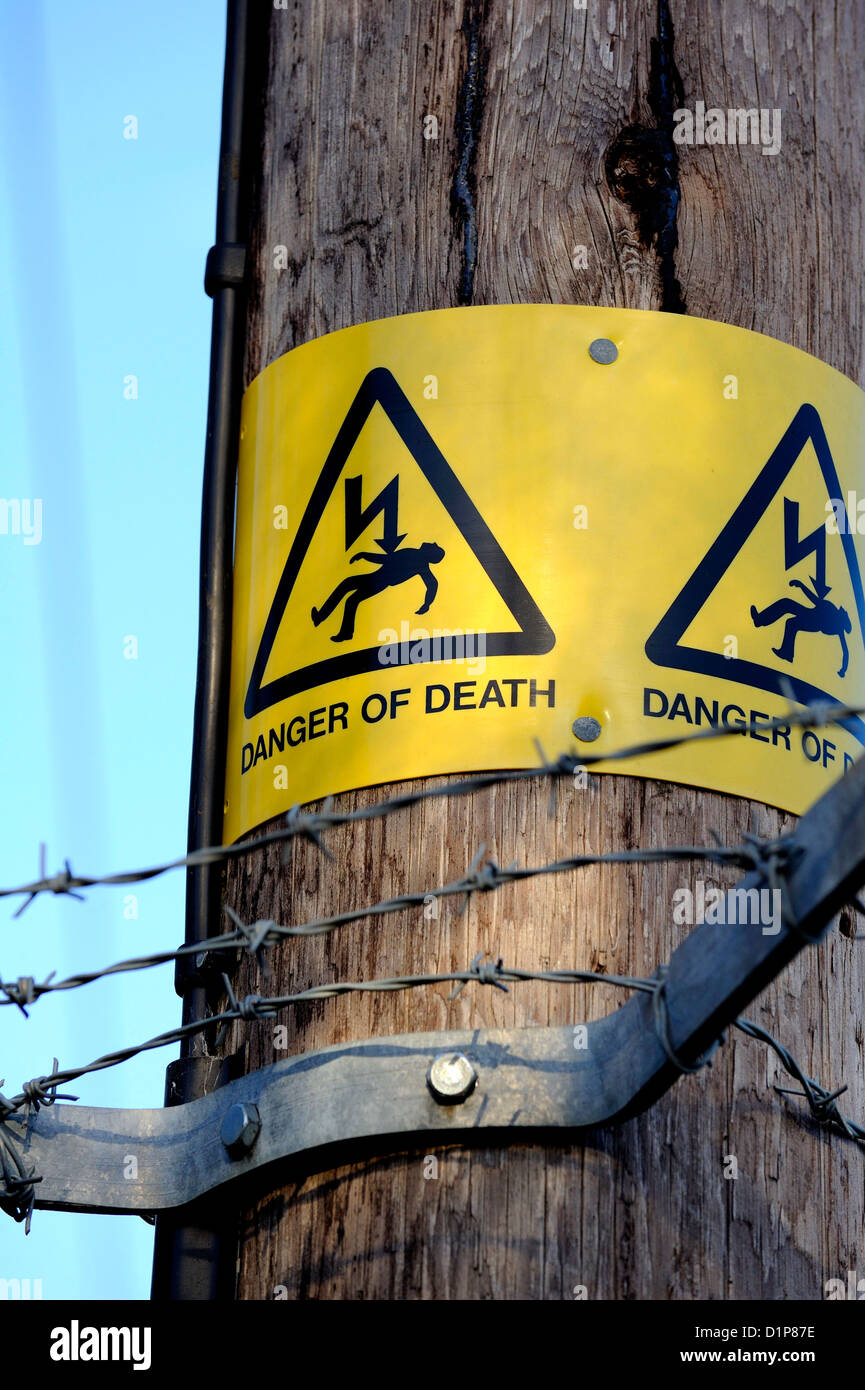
(395, 567)
(823, 616)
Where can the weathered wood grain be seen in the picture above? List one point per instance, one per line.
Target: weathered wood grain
(546, 113)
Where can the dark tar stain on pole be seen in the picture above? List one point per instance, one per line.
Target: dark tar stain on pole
(468, 126)
(642, 164)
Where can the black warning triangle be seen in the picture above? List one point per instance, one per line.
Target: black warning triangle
(663, 647)
(379, 387)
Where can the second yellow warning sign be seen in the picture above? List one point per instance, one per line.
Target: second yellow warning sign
(460, 532)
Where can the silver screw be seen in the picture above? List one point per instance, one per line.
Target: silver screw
(603, 350)
(451, 1078)
(241, 1124)
(586, 728)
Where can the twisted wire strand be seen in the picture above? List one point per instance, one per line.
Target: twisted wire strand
(311, 825)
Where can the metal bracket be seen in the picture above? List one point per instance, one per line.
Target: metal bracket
(224, 268)
(530, 1081)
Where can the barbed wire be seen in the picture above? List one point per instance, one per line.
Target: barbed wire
(310, 825)
(482, 876)
(770, 858)
(19, 1181)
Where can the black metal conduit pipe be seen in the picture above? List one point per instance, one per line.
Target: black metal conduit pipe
(195, 1247)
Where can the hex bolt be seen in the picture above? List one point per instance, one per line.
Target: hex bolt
(451, 1078)
(586, 728)
(603, 350)
(241, 1124)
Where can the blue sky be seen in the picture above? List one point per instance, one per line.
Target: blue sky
(102, 248)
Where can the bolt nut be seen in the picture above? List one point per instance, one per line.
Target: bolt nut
(586, 728)
(603, 350)
(241, 1124)
(451, 1078)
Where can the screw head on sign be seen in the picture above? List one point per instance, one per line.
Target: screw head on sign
(603, 350)
(241, 1124)
(451, 1078)
(586, 728)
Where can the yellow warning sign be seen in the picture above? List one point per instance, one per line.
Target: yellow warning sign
(459, 532)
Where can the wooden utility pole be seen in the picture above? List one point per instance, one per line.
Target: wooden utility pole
(554, 129)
